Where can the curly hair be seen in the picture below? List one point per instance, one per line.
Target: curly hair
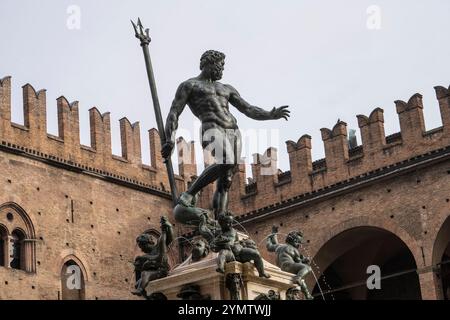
(143, 238)
(205, 244)
(293, 236)
(225, 217)
(211, 57)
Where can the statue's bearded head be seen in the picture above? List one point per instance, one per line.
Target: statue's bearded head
(212, 62)
(294, 238)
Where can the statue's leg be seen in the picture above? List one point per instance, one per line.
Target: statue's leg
(221, 259)
(249, 254)
(301, 270)
(141, 284)
(305, 290)
(232, 155)
(213, 141)
(220, 200)
(209, 175)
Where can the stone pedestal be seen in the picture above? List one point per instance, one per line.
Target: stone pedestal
(217, 285)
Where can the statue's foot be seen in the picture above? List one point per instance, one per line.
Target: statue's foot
(186, 199)
(264, 275)
(220, 270)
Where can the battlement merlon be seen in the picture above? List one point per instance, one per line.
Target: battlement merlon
(35, 113)
(412, 123)
(265, 167)
(372, 131)
(69, 125)
(300, 159)
(336, 148)
(5, 99)
(443, 96)
(130, 138)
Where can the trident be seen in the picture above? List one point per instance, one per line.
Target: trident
(145, 39)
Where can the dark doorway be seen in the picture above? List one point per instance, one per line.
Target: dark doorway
(345, 258)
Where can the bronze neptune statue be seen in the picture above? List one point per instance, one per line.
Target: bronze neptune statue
(209, 100)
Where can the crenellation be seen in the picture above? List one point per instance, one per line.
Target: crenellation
(238, 189)
(130, 137)
(187, 165)
(35, 114)
(412, 124)
(100, 128)
(69, 126)
(156, 159)
(264, 166)
(268, 185)
(336, 150)
(265, 173)
(5, 104)
(372, 131)
(443, 97)
(340, 162)
(300, 162)
(66, 145)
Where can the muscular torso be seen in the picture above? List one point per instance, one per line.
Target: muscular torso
(226, 239)
(208, 101)
(287, 254)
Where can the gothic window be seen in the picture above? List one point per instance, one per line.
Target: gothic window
(17, 248)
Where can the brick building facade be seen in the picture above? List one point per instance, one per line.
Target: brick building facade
(385, 203)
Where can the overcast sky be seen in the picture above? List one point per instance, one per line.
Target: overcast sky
(319, 57)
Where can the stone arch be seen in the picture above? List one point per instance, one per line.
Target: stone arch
(73, 279)
(17, 222)
(441, 260)
(28, 224)
(74, 257)
(348, 248)
(4, 228)
(387, 225)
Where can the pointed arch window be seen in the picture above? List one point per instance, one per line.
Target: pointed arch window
(17, 238)
(72, 281)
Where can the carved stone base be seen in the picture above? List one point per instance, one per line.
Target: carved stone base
(239, 281)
